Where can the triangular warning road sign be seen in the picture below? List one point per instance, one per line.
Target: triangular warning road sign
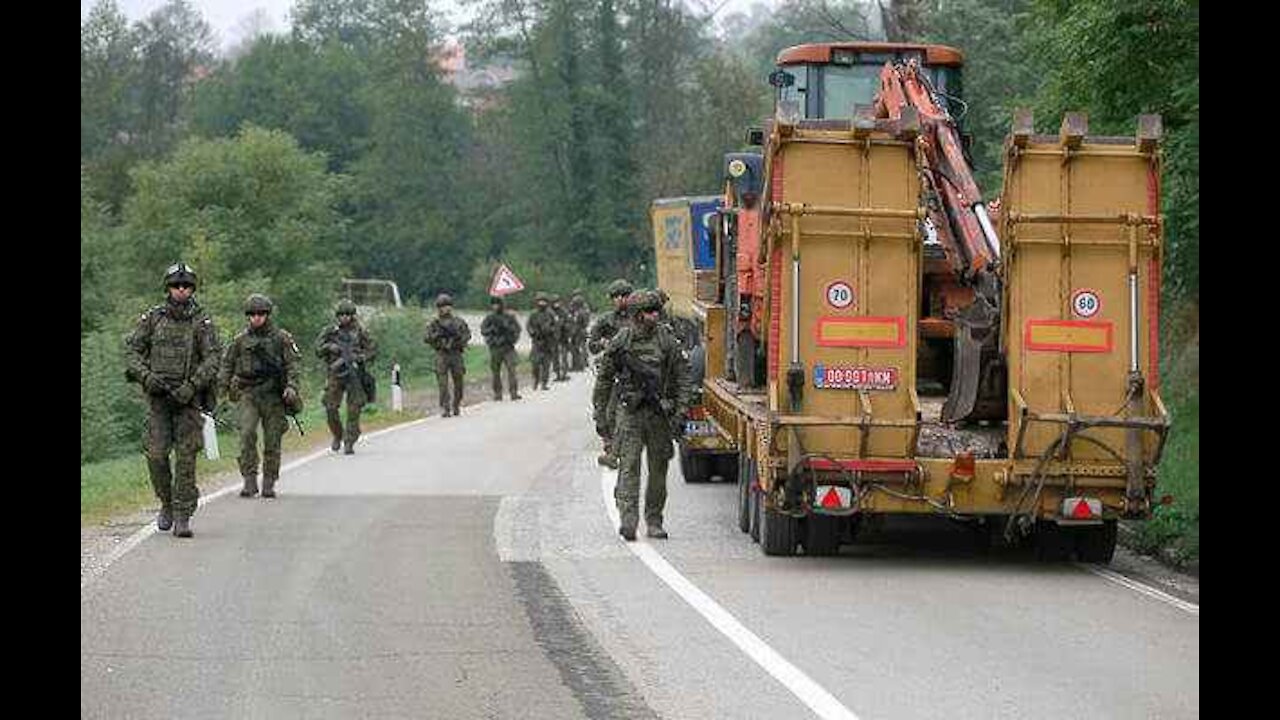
(504, 282)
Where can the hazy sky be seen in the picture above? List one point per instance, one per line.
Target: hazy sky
(225, 15)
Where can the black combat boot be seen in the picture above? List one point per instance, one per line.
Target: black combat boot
(182, 527)
(250, 486)
(656, 531)
(164, 518)
(268, 487)
(348, 449)
(336, 445)
(628, 534)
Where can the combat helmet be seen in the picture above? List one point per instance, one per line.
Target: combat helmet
(540, 297)
(180, 272)
(619, 288)
(444, 299)
(258, 303)
(644, 301)
(345, 307)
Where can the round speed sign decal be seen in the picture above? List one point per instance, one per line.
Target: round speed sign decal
(1085, 303)
(839, 295)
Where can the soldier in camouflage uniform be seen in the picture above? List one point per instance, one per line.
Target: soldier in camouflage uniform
(558, 357)
(601, 333)
(609, 323)
(542, 331)
(260, 370)
(346, 348)
(448, 335)
(501, 331)
(173, 353)
(579, 320)
(653, 379)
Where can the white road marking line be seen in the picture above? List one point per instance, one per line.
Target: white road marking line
(1142, 588)
(823, 703)
(151, 529)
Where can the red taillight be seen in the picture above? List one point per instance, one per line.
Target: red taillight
(697, 412)
(964, 465)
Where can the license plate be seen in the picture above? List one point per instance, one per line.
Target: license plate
(845, 377)
(698, 427)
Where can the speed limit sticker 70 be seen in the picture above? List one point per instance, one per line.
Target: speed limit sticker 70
(839, 295)
(1085, 303)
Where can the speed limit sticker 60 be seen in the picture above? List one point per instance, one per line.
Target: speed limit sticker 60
(1085, 303)
(839, 295)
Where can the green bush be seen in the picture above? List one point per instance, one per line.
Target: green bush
(112, 413)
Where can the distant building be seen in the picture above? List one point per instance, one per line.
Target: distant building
(476, 85)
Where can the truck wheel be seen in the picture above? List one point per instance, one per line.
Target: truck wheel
(1053, 542)
(754, 501)
(744, 495)
(1097, 544)
(696, 467)
(822, 534)
(778, 531)
(726, 466)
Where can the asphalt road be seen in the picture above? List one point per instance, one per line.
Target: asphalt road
(468, 568)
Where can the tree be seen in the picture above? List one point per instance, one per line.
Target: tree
(250, 213)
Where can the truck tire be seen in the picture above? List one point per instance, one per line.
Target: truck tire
(778, 531)
(753, 500)
(1053, 542)
(744, 495)
(698, 366)
(1097, 544)
(822, 535)
(696, 467)
(726, 466)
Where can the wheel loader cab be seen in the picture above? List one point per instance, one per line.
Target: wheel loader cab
(826, 82)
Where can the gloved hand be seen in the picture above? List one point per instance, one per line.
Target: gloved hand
(155, 385)
(290, 396)
(185, 393)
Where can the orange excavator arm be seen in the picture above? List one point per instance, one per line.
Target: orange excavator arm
(960, 218)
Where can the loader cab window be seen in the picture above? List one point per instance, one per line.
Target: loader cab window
(831, 90)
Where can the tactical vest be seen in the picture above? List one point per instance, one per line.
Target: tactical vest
(261, 356)
(173, 346)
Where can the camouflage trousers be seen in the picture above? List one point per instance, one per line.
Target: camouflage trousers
(449, 373)
(557, 360)
(261, 406)
(179, 428)
(334, 389)
(499, 358)
(541, 360)
(643, 429)
(578, 353)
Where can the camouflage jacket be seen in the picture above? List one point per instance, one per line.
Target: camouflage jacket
(176, 342)
(500, 330)
(543, 327)
(650, 369)
(605, 328)
(334, 339)
(266, 357)
(448, 334)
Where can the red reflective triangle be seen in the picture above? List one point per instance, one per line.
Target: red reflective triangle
(831, 499)
(1082, 509)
